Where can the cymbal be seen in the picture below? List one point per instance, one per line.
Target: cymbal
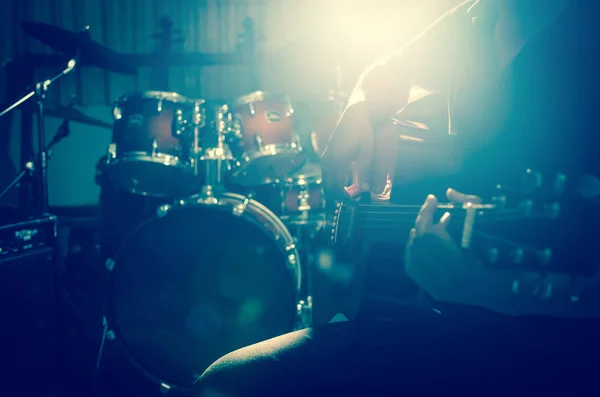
(77, 116)
(91, 53)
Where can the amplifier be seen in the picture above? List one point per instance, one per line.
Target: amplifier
(31, 362)
(27, 238)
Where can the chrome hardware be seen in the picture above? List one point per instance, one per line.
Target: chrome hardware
(467, 233)
(117, 113)
(290, 108)
(179, 123)
(258, 141)
(163, 210)
(112, 152)
(240, 208)
(154, 148)
(304, 313)
(206, 196)
(165, 388)
(303, 196)
(251, 109)
(159, 106)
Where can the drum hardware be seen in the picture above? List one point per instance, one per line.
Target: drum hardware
(214, 162)
(39, 94)
(302, 198)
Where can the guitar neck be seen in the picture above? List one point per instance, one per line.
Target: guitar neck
(368, 224)
(392, 223)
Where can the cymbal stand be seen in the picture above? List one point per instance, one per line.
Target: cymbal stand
(39, 93)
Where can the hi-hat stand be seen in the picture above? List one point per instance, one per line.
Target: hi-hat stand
(40, 165)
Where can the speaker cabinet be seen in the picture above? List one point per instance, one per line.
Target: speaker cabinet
(31, 360)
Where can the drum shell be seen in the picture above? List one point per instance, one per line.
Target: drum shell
(144, 123)
(264, 139)
(189, 352)
(152, 149)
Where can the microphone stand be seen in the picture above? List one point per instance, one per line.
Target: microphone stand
(39, 93)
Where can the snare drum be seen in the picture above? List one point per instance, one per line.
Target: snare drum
(199, 280)
(149, 153)
(264, 141)
(302, 198)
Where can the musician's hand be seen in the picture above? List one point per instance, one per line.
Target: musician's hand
(432, 258)
(425, 224)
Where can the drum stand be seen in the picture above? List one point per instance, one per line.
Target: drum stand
(39, 93)
(214, 161)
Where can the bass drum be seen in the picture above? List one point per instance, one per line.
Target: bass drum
(199, 280)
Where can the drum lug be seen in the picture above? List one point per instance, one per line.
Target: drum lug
(258, 141)
(163, 210)
(154, 148)
(112, 152)
(165, 388)
(239, 209)
(304, 313)
(297, 143)
(290, 108)
(179, 124)
(251, 109)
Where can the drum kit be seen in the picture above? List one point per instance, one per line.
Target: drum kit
(208, 215)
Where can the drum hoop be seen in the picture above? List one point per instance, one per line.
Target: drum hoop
(259, 96)
(242, 162)
(311, 180)
(143, 157)
(172, 97)
(285, 243)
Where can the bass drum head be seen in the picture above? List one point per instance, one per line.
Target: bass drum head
(197, 283)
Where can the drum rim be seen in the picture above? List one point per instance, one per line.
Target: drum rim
(144, 157)
(169, 96)
(286, 244)
(246, 158)
(260, 96)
